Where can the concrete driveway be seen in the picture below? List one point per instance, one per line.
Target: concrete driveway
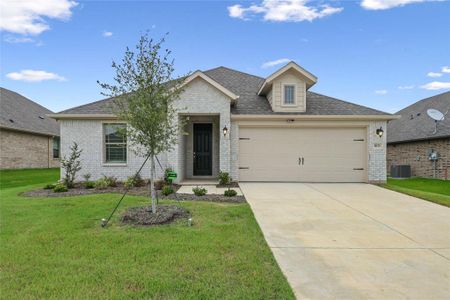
(354, 241)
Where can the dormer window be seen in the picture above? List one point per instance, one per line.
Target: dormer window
(289, 94)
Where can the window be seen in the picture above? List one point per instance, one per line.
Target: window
(115, 143)
(289, 94)
(56, 146)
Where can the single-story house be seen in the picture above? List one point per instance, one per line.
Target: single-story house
(28, 137)
(417, 140)
(257, 129)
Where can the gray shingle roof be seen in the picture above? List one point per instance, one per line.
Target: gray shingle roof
(415, 124)
(25, 114)
(249, 102)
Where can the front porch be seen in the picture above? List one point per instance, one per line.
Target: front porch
(200, 149)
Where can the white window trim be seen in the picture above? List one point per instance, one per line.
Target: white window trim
(110, 164)
(295, 95)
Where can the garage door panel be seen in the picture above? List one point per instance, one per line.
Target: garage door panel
(330, 154)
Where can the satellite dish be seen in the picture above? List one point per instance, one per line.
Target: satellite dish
(435, 114)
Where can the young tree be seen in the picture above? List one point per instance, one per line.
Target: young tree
(71, 165)
(144, 92)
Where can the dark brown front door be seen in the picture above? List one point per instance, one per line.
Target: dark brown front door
(202, 149)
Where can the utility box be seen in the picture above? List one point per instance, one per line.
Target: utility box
(401, 171)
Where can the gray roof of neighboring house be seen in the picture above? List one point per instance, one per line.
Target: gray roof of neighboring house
(415, 124)
(20, 113)
(246, 86)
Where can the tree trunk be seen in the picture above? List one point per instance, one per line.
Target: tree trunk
(152, 183)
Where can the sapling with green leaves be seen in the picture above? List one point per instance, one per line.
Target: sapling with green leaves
(71, 165)
(144, 92)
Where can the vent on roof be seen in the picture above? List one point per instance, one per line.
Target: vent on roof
(11, 120)
(41, 117)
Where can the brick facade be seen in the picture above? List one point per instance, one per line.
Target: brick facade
(20, 150)
(88, 134)
(415, 154)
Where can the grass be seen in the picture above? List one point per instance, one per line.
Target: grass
(434, 190)
(54, 248)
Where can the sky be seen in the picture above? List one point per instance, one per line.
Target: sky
(385, 54)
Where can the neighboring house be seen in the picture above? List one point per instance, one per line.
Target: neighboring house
(28, 137)
(257, 129)
(415, 136)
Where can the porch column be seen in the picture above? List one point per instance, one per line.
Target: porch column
(224, 143)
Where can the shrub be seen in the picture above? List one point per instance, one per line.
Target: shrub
(159, 184)
(49, 186)
(87, 176)
(110, 180)
(101, 184)
(230, 193)
(59, 188)
(224, 178)
(198, 191)
(133, 181)
(71, 165)
(89, 184)
(167, 190)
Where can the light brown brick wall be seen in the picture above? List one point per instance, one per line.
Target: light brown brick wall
(24, 150)
(415, 154)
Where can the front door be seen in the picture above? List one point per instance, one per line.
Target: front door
(202, 149)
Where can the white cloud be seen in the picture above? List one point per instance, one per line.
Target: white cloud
(381, 92)
(434, 74)
(387, 4)
(406, 87)
(27, 16)
(273, 63)
(283, 11)
(17, 40)
(445, 69)
(107, 33)
(436, 85)
(34, 76)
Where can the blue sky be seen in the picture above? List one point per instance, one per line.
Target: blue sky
(362, 51)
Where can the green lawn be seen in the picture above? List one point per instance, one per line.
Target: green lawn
(55, 248)
(434, 190)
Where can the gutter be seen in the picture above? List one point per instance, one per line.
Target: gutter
(82, 116)
(28, 131)
(316, 117)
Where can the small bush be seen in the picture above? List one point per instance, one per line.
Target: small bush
(59, 188)
(110, 180)
(230, 193)
(224, 178)
(159, 184)
(101, 184)
(198, 191)
(87, 176)
(89, 184)
(167, 190)
(133, 181)
(49, 186)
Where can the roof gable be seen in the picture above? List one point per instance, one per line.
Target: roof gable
(309, 78)
(221, 88)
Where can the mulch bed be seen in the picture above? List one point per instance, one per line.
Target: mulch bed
(210, 198)
(165, 214)
(233, 184)
(78, 190)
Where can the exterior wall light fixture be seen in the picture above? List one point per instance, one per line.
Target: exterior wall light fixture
(225, 131)
(379, 131)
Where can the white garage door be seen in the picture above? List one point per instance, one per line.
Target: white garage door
(303, 154)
